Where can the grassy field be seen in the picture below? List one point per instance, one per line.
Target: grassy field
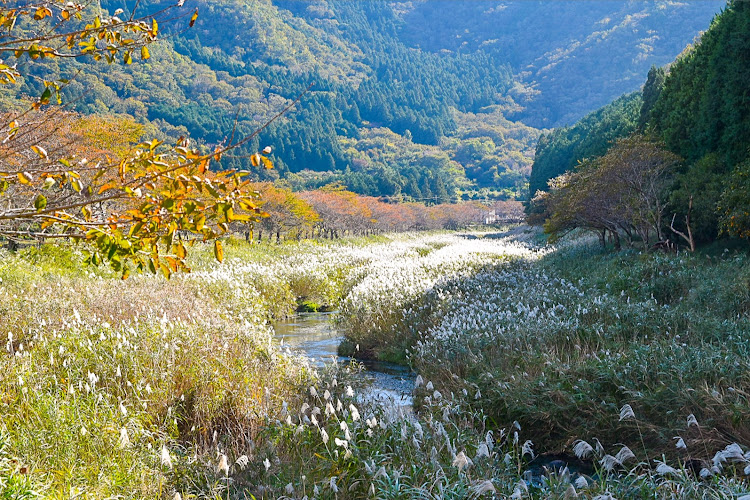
(155, 388)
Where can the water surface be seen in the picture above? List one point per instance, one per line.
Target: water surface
(315, 335)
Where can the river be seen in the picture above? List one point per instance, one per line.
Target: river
(315, 335)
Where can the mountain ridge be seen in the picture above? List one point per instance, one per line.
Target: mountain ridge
(249, 59)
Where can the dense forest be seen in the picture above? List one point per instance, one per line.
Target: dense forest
(697, 109)
(562, 149)
(391, 111)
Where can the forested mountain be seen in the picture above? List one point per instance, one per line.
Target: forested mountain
(571, 57)
(418, 100)
(562, 149)
(698, 109)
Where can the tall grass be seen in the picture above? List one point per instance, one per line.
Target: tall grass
(149, 388)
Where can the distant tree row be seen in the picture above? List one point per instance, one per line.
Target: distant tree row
(333, 211)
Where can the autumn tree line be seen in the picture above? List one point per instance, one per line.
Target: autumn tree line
(664, 167)
(333, 211)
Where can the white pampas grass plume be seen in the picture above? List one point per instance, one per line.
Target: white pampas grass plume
(528, 449)
(124, 440)
(242, 462)
(418, 430)
(520, 489)
(626, 412)
(429, 386)
(483, 451)
(313, 392)
(570, 492)
(354, 412)
(664, 469)
(166, 459)
(484, 487)
(349, 391)
(324, 435)
(599, 447)
(734, 453)
(719, 459)
(582, 449)
(223, 464)
(462, 461)
(581, 483)
(267, 464)
(609, 462)
(624, 455)
(418, 382)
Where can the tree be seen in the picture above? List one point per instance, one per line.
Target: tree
(623, 192)
(643, 170)
(132, 205)
(651, 92)
(734, 205)
(284, 211)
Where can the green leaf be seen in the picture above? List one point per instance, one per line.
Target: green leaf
(44, 99)
(40, 203)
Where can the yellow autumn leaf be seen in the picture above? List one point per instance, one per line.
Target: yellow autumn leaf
(25, 178)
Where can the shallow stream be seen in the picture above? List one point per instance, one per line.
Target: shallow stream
(315, 335)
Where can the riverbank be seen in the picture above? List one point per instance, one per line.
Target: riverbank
(148, 388)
